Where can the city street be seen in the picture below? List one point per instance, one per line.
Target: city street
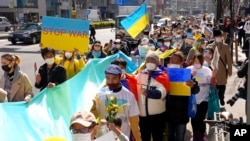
(31, 54)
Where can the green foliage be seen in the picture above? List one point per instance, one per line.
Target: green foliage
(103, 24)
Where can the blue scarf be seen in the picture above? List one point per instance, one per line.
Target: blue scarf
(96, 54)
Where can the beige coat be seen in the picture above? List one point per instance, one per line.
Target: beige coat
(20, 88)
(224, 51)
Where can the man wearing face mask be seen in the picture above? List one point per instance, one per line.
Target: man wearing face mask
(224, 63)
(72, 62)
(50, 74)
(129, 113)
(118, 46)
(152, 86)
(83, 126)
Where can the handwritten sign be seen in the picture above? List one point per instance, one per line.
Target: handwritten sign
(65, 34)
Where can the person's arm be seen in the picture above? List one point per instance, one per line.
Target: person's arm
(27, 88)
(62, 76)
(38, 82)
(134, 125)
(229, 61)
(121, 136)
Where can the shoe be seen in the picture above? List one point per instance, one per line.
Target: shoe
(222, 102)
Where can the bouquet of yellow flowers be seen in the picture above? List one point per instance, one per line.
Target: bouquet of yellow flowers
(112, 107)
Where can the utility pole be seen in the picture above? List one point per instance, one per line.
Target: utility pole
(219, 10)
(248, 90)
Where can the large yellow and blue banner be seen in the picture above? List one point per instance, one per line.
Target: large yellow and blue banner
(136, 21)
(65, 34)
(49, 112)
(178, 78)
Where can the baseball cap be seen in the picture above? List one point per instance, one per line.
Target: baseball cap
(84, 118)
(113, 69)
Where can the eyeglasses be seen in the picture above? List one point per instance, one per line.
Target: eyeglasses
(81, 130)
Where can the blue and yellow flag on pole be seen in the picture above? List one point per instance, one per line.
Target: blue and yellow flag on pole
(136, 21)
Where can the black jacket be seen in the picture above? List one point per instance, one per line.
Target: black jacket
(177, 106)
(57, 75)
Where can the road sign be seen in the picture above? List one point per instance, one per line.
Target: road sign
(87, 11)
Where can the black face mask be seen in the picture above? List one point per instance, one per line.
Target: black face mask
(6, 68)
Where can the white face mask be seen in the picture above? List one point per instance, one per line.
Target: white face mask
(167, 44)
(205, 64)
(50, 61)
(218, 39)
(174, 66)
(197, 66)
(151, 66)
(81, 137)
(68, 55)
(123, 72)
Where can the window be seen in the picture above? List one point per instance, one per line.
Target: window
(1, 19)
(27, 3)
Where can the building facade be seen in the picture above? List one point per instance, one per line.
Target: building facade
(20, 11)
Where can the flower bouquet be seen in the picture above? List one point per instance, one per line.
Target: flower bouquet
(112, 107)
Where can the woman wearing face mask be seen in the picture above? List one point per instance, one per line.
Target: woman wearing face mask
(203, 75)
(152, 86)
(177, 111)
(14, 83)
(72, 62)
(96, 51)
(49, 74)
(83, 126)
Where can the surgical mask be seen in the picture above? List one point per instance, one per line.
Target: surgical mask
(151, 66)
(159, 44)
(205, 64)
(174, 66)
(218, 39)
(6, 68)
(167, 44)
(197, 66)
(96, 54)
(81, 137)
(50, 61)
(123, 72)
(68, 55)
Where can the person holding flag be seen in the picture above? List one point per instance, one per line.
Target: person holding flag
(49, 74)
(152, 86)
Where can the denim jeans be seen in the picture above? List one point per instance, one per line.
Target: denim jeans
(176, 131)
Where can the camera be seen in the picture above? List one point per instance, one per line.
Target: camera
(241, 94)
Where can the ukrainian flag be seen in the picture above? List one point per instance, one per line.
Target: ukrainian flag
(178, 78)
(136, 21)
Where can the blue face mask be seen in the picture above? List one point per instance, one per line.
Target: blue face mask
(96, 54)
(159, 44)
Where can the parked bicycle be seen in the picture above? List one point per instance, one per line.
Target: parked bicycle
(219, 128)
